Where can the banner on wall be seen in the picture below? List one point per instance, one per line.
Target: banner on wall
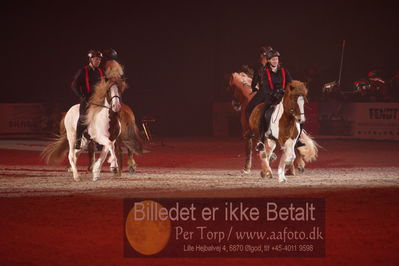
(375, 121)
(28, 118)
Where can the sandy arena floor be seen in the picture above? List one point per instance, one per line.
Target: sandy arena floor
(47, 218)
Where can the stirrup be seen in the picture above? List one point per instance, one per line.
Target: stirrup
(260, 146)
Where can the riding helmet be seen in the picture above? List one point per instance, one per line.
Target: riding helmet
(272, 53)
(110, 54)
(265, 49)
(94, 53)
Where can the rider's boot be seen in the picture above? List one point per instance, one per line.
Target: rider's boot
(263, 124)
(79, 133)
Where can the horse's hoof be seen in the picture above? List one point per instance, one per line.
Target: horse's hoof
(268, 174)
(289, 172)
(273, 157)
(114, 170)
(77, 178)
(246, 171)
(96, 176)
(281, 180)
(301, 170)
(132, 170)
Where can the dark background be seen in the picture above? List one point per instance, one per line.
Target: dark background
(177, 53)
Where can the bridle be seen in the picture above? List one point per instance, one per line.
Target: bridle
(291, 111)
(110, 100)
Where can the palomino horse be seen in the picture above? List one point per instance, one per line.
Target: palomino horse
(102, 121)
(284, 127)
(130, 138)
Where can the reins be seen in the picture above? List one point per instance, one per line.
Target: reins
(104, 106)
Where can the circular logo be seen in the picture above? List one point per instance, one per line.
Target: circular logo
(146, 229)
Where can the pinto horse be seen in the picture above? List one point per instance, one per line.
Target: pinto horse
(284, 127)
(130, 138)
(103, 124)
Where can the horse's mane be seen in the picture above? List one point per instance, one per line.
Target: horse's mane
(248, 71)
(113, 69)
(113, 74)
(297, 87)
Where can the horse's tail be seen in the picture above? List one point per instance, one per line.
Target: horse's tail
(310, 150)
(54, 153)
(130, 135)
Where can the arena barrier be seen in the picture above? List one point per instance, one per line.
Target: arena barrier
(375, 121)
(28, 119)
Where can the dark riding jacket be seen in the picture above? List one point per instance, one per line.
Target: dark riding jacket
(84, 82)
(270, 90)
(261, 78)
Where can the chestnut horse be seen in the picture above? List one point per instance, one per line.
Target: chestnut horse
(284, 127)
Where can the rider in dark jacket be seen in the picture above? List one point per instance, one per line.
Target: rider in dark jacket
(83, 86)
(271, 79)
(258, 81)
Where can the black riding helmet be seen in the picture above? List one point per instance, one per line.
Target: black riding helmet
(265, 49)
(272, 53)
(110, 54)
(94, 53)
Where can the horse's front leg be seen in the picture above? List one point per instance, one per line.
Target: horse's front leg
(119, 156)
(265, 155)
(131, 162)
(298, 162)
(73, 157)
(113, 159)
(98, 164)
(248, 154)
(92, 156)
(287, 158)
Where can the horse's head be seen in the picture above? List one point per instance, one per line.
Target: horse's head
(113, 70)
(113, 98)
(108, 91)
(107, 94)
(239, 84)
(294, 100)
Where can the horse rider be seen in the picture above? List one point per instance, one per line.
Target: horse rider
(271, 79)
(258, 80)
(83, 86)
